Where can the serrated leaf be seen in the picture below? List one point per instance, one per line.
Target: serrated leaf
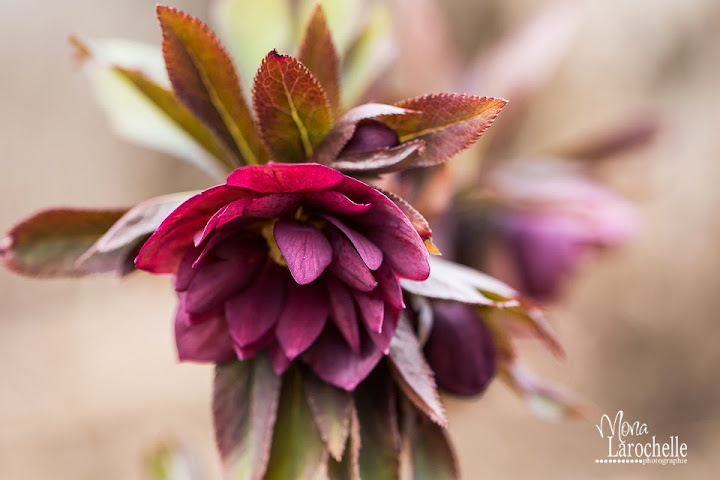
(245, 405)
(142, 117)
(49, 243)
(449, 123)
(432, 454)
(317, 53)
(330, 407)
(412, 373)
(348, 468)
(297, 448)
(204, 79)
(384, 160)
(379, 431)
(291, 106)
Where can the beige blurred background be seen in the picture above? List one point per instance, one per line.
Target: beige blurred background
(88, 378)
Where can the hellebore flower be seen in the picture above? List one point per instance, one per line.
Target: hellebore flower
(460, 349)
(297, 259)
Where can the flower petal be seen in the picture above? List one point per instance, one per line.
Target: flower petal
(336, 202)
(286, 178)
(372, 308)
(343, 312)
(347, 264)
(369, 252)
(302, 319)
(389, 285)
(389, 325)
(249, 351)
(279, 361)
(305, 249)
(205, 342)
(274, 205)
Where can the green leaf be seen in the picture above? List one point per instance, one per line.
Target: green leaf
(348, 468)
(297, 448)
(432, 454)
(330, 407)
(291, 106)
(245, 404)
(49, 243)
(449, 123)
(204, 79)
(146, 116)
(317, 53)
(379, 432)
(412, 373)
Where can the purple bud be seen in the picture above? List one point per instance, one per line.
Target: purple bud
(460, 349)
(371, 135)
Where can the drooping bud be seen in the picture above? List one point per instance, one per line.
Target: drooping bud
(371, 134)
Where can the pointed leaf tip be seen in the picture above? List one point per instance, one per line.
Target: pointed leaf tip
(317, 52)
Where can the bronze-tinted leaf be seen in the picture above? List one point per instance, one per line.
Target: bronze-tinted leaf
(432, 454)
(49, 243)
(203, 77)
(331, 408)
(317, 53)
(292, 108)
(297, 448)
(449, 123)
(245, 403)
(380, 161)
(412, 373)
(348, 468)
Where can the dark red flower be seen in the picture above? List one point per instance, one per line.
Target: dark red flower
(295, 259)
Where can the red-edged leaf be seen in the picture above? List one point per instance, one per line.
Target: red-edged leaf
(203, 77)
(49, 243)
(432, 454)
(245, 402)
(344, 128)
(292, 108)
(348, 468)
(331, 408)
(297, 448)
(449, 123)
(413, 374)
(380, 161)
(317, 53)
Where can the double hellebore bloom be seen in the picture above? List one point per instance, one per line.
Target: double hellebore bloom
(299, 260)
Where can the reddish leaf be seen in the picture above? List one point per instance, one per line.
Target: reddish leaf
(49, 243)
(449, 123)
(412, 373)
(245, 403)
(203, 77)
(381, 161)
(331, 408)
(292, 108)
(317, 53)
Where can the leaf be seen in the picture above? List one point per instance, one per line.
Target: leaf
(348, 468)
(49, 243)
(251, 30)
(633, 134)
(379, 431)
(449, 123)
(146, 116)
(297, 449)
(317, 53)
(204, 79)
(432, 454)
(380, 161)
(291, 106)
(344, 18)
(343, 130)
(245, 404)
(412, 373)
(331, 408)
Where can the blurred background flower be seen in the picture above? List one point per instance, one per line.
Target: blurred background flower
(637, 327)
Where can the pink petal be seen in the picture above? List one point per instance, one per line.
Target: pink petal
(279, 361)
(253, 312)
(249, 351)
(369, 252)
(331, 359)
(165, 248)
(389, 285)
(305, 249)
(347, 264)
(185, 271)
(302, 319)
(286, 178)
(227, 213)
(205, 342)
(275, 205)
(390, 321)
(335, 202)
(372, 309)
(343, 312)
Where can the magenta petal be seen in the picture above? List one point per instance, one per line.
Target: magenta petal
(347, 264)
(185, 271)
(369, 252)
(249, 351)
(286, 178)
(305, 249)
(278, 360)
(390, 321)
(343, 313)
(336, 202)
(331, 359)
(275, 205)
(205, 342)
(227, 213)
(302, 319)
(389, 286)
(253, 312)
(372, 308)
(165, 248)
